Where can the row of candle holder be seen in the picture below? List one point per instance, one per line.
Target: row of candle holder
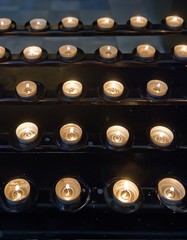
(74, 24)
(72, 194)
(73, 90)
(72, 136)
(106, 53)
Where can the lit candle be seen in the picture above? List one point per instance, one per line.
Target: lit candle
(180, 51)
(161, 136)
(157, 88)
(17, 191)
(72, 89)
(32, 52)
(26, 89)
(2, 52)
(108, 52)
(71, 134)
(27, 132)
(138, 21)
(68, 190)
(67, 51)
(174, 21)
(70, 22)
(105, 23)
(117, 136)
(113, 89)
(145, 51)
(38, 24)
(5, 23)
(171, 191)
(125, 193)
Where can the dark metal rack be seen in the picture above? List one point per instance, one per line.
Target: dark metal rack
(45, 163)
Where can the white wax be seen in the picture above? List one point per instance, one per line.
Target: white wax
(145, 51)
(180, 51)
(161, 136)
(38, 23)
(67, 51)
(113, 89)
(32, 52)
(70, 22)
(105, 23)
(68, 190)
(71, 134)
(72, 88)
(157, 88)
(138, 21)
(5, 23)
(174, 21)
(27, 132)
(2, 52)
(108, 52)
(117, 136)
(26, 89)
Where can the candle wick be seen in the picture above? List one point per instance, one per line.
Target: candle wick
(170, 192)
(27, 88)
(117, 137)
(125, 194)
(68, 191)
(108, 52)
(157, 88)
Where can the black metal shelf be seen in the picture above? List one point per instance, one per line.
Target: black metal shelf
(90, 31)
(94, 162)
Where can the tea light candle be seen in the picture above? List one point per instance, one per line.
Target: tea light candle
(67, 51)
(72, 89)
(145, 51)
(71, 133)
(117, 136)
(138, 21)
(32, 52)
(5, 23)
(161, 136)
(125, 193)
(157, 88)
(105, 23)
(174, 21)
(171, 191)
(180, 51)
(38, 24)
(108, 52)
(113, 89)
(68, 190)
(27, 132)
(17, 191)
(2, 52)
(26, 89)
(70, 22)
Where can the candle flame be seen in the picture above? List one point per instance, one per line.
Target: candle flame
(126, 185)
(175, 19)
(70, 20)
(146, 47)
(108, 48)
(138, 19)
(17, 187)
(2, 23)
(184, 48)
(106, 20)
(71, 130)
(67, 186)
